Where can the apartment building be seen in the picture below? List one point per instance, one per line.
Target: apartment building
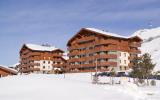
(41, 58)
(92, 49)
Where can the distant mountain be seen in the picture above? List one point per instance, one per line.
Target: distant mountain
(151, 43)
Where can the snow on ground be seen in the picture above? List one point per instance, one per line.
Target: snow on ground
(71, 87)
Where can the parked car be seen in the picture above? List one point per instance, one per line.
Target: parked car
(104, 74)
(122, 74)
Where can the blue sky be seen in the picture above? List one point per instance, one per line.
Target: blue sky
(55, 21)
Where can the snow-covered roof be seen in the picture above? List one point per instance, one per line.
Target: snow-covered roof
(8, 69)
(106, 33)
(40, 47)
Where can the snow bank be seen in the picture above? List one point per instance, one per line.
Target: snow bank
(70, 87)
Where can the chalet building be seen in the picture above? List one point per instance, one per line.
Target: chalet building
(92, 49)
(40, 58)
(5, 71)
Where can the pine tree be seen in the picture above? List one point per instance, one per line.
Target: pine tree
(136, 73)
(142, 67)
(147, 66)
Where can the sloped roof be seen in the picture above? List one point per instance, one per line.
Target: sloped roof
(105, 33)
(13, 71)
(40, 47)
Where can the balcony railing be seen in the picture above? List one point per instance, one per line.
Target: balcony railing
(58, 65)
(135, 51)
(113, 64)
(84, 39)
(106, 42)
(30, 69)
(135, 44)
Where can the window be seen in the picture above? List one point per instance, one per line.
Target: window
(125, 61)
(43, 67)
(125, 68)
(120, 61)
(48, 62)
(125, 54)
(43, 61)
(120, 67)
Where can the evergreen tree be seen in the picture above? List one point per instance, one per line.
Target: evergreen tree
(147, 66)
(136, 70)
(142, 67)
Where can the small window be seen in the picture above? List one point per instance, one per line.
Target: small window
(43, 61)
(43, 67)
(48, 62)
(125, 68)
(125, 61)
(125, 54)
(120, 67)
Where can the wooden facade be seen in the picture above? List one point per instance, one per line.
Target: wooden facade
(89, 49)
(40, 61)
(4, 71)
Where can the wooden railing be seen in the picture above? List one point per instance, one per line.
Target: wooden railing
(135, 44)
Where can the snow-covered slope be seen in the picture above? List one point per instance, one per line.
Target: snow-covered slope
(151, 43)
(72, 87)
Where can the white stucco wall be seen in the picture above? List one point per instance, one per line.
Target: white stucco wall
(47, 66)
(123, 59)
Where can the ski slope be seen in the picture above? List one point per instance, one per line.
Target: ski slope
(151, 43)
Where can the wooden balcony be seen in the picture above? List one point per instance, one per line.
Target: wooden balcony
(84, 39)
(34, 64)
(135, 44)
(105, 56)
(73, 53)
(132, 57)
(30, 69)
(108, 48)
(74, 60)
(135, 51)
(58, 65)
(114, 64)
(109, 41)
(57, 55)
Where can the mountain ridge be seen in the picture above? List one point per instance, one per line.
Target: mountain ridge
(150, 44)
